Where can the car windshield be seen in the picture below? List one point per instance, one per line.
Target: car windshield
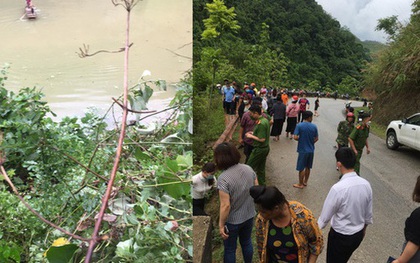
(415, 120)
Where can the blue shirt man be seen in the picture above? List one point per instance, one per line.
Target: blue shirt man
(228, 103)
(306, 133)
(229, 93)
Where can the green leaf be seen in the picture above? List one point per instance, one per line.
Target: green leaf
(172, 165)
(176, 190)
(126, 248)
(144, 211)
(139, 103)
(147, 93)
(61, 254)
(185, 160)
(161, 84)
(130, 219)
(141, 155)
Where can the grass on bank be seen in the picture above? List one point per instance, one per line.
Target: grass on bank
(208, 126)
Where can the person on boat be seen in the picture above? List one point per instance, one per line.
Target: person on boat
(30, 7)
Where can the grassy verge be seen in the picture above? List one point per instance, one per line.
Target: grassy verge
(208, 126)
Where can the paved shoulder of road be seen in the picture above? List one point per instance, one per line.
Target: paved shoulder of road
(392, 175)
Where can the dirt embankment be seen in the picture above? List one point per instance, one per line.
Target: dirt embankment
(395, 106)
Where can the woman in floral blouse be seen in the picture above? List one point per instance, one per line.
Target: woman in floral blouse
(286, 231)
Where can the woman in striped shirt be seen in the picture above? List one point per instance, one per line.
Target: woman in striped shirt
(237, 209)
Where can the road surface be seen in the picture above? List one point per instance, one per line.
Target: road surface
(392, 175)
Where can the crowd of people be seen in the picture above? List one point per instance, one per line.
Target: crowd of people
(287, 231)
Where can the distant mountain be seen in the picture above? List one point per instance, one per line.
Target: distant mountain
(373, 46)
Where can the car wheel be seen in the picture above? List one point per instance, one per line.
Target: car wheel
(391, 140)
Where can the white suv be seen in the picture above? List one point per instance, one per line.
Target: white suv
(405, 132)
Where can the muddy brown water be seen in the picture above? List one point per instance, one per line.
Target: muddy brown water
(42, 52)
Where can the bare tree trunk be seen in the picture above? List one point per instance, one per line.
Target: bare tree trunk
(95, 238)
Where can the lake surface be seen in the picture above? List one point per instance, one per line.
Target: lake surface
(43, 52)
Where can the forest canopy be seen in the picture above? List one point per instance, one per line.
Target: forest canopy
(285, 43)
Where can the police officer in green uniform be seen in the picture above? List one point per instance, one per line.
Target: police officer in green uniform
(344, 129)
(359, 138)
(260, 137)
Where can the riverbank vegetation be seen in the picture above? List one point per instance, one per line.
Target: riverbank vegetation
(75, 190)
(61, 170)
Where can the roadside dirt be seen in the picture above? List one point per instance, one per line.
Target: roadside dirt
(392, 106)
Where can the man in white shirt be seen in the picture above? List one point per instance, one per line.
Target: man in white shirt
(349, 208)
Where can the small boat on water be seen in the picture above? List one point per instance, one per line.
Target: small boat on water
(30, 12)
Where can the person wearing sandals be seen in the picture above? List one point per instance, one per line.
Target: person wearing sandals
(306, 133)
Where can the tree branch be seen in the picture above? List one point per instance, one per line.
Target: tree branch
(130, 110)
(95, 239)
(79, 163)
(6, 177)
(170, 108)
(85, 51)
(179, 55)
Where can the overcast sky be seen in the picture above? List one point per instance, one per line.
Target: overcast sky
(361, 16)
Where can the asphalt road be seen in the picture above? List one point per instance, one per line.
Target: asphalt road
(392, 175)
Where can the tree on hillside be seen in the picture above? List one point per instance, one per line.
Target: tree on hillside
(265, 65)
(394, 76)
(390, 25)
(397, 68)
(221, 21)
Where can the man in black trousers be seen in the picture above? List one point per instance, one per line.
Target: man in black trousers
(349, 208)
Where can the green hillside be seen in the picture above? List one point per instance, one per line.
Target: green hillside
(299, 37)
(394, 75)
